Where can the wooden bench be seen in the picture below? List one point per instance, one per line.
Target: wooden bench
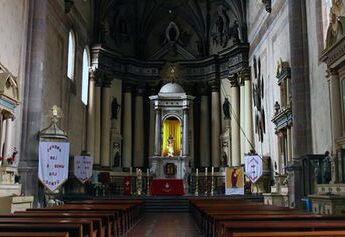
(34, 234)
(75, 230)
(328, 233)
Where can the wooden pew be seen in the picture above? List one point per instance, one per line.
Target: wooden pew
(106, 219)
(75, 230)
(329, 233)
(229, 228)
(34, 234)
(87, 224)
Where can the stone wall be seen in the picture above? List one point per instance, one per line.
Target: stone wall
(268, 35)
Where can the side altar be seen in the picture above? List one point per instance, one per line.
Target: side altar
(172, 159)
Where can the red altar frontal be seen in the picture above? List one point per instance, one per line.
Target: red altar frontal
(168, 187)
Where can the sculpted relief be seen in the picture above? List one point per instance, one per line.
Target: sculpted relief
(336, 25)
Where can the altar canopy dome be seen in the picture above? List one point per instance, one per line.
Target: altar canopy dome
(171, 88)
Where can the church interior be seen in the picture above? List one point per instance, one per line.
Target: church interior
(172, 118)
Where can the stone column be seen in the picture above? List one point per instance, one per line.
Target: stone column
(248, 115)
(97, 112)
(215, 123)
(8, 137)
(158, 128)
(185, 135)
(127, 127)
(242, 117)
(235, 116)
(336, 112)
(289, 145)
(302, 142)
(139, 129)
(91, 115)
(152, 127)
(204, 131)
(106, 124)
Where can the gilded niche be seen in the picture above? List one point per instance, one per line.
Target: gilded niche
(336, 25)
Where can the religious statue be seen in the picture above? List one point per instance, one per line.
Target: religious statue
(115, 108)
(336, 23)
(170, 146)
(226, 108)
(327, 176)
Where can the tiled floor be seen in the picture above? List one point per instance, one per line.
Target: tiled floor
(165, 225)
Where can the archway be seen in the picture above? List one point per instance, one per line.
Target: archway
(171, 137)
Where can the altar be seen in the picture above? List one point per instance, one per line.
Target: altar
(170, 165)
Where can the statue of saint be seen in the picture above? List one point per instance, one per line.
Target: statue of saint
(170, 146)
(226, 108)
(115, 107)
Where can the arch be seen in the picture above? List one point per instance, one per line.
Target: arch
(85, 76)
(71, 55)
(172, 136)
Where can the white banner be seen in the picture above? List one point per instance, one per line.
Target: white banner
(83, 168)
(253, 167)
(53, 164)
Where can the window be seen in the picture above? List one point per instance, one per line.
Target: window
(71, 55)
(85, 76)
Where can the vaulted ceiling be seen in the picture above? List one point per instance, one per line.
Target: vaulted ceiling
(169, 30)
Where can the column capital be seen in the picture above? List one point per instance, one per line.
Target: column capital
(139, 91)
(234, 80)
(331, 72)
(203, 89)
(97, 76)
(127, 87)
(244, 75)
(215, 85)
(107, 82)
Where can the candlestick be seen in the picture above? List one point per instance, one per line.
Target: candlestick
(147, 172)
(212, 171)
(196, 172)
(206, 171)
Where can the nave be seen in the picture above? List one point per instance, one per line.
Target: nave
(209, 217)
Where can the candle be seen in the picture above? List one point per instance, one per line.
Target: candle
(212, 171)
(196, 172)
(206, 171)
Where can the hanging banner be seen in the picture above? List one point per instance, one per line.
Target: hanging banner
(234, 181)
(53, 164)
(83, 168)
(253, 167)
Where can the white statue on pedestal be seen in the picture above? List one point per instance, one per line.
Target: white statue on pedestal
(170, 146)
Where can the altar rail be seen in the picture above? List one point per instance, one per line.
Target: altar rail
(115, 186)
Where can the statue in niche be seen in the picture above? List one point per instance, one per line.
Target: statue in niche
(115, 108)
(170, 146)
(234, 33)
(327, 175)
(226, 109)
(220, 34)
(116, 160)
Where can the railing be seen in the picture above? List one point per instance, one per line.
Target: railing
(198, 185)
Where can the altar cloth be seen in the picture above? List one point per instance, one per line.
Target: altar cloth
(167, 187)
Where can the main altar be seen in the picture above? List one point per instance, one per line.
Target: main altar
(170, 165)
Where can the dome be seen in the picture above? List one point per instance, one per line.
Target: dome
(171, 88)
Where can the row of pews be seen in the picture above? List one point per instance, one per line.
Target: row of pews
(91, 218)
(240, 217)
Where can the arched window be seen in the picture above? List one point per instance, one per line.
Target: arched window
(71, 55)
(85, 76)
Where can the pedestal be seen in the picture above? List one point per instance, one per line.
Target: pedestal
(158, 166)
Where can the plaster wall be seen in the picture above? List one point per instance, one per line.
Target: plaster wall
(269, 39)
(319, 87)
(57, 88)
(13, 28)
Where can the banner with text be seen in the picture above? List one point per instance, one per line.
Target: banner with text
(83, 168)
(53, 164)
(253, 167)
